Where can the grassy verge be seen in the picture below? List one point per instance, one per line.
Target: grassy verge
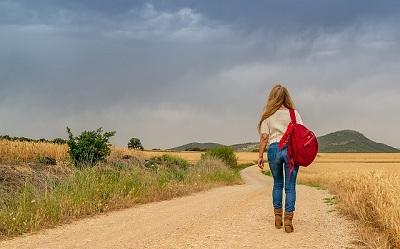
(372, 199)
(267, 172)
(368, 197)
(241, 166)
(106, 187)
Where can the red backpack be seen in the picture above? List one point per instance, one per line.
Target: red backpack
(302, 144)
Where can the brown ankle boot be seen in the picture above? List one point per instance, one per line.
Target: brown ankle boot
(278, 218)
(288, 222)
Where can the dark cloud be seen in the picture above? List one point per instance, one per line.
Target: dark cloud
(176, 71)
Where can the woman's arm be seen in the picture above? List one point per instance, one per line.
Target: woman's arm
(261, 150)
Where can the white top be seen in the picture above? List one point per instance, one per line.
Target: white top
(276, 125)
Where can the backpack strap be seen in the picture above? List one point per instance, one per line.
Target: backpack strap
(292, 116)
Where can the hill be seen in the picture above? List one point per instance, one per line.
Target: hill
(350, 141)
(336, 142)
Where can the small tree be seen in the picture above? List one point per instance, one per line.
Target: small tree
(89, 147)
(134, 143)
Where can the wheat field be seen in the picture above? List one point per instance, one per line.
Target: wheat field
(367, 188)
(15, 152)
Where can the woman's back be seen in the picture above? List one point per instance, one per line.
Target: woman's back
(273, 123)
(276, 125)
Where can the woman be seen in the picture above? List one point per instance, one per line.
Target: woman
(272, 125)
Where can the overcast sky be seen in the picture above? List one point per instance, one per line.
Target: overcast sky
(172, 72)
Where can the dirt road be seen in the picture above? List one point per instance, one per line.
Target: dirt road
(226, 217)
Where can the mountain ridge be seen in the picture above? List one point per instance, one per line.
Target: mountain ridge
(342, 141)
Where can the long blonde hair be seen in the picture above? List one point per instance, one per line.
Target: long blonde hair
(278, 96)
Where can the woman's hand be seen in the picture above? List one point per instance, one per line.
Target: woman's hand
(261, 163)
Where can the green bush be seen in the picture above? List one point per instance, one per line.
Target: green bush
(90, 147)
(226, 154)
(168, 161)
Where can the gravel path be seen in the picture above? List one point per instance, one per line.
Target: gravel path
(227, 217)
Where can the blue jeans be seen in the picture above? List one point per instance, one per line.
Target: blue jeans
(278, 163)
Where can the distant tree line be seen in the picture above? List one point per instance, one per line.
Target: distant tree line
(195, 149)
(26, 139)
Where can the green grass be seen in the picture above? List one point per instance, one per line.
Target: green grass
(241, 166)
(267, 173)
(312, 184)
(330, 200)
(98, 189)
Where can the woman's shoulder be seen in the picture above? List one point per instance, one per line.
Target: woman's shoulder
(285, 111)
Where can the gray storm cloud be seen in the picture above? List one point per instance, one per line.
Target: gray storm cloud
(176, 75)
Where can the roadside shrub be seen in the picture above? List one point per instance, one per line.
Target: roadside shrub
(211, 165)
(166, 176)
(226, 154)
(168, 161)
(90, 147)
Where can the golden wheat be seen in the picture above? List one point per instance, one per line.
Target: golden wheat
(368, 187)
(14, 152)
